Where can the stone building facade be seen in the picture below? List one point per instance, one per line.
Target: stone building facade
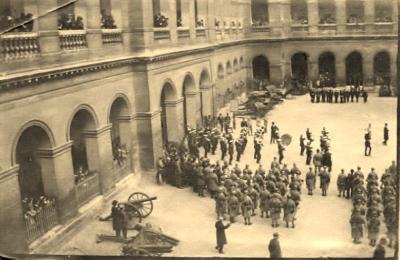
(73, 91)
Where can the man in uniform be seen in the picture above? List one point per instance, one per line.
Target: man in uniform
(257, 150)
(239, 149)
(310, 181)
(206, 145)
(385, 134)
(368, 148)
(289, 210)
(264, 203)
(273, 129)
(324, 179)
(221, 237)
(275, 208)
(214, 141)
(230, 151)
(221, 204)
(233, 207)
(302, 145)
(281, 148)
(341, 183)
(247, 208)
(308, 153)
(224, 147)
(317, 161)
(274, 247)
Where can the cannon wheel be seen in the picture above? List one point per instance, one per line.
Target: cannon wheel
(133, 212)
(145, 208)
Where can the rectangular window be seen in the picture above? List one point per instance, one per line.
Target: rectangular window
(298, 11)
(327, 11)
(354, 11)
(259, 12)
(179, 22)
(383, 11)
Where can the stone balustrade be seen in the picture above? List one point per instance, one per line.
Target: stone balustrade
(111, 36)
(161, 33)
(327, 27)
(200, 32)
(72, 39)
(263, 28)
(183, 32)
(384, 27)
(20, 45)
(299, 27)
(355, 27)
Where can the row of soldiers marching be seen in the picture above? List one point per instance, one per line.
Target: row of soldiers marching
(337, 96)
(370, 200)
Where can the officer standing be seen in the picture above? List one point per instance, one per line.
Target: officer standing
(385, 134)
(368, 148)
(302, 145)
(310, 181)
(308, 153)
(324, 179)
(281, 148)
(341, 183)
(230, 151)
(274, 247)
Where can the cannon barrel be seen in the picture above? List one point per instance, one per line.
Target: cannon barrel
(142, 200)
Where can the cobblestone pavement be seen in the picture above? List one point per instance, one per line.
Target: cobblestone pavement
(322, 226)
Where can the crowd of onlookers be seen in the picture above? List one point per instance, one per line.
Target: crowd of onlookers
(70, 22)
(160, 20)
(107, 21)
(260, 22)
(32, 206)
(23, 23)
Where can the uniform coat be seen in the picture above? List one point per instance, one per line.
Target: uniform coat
(274, 248)
(220, 232)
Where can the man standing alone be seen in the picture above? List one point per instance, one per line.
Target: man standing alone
(274, 247)
(221, 238)
(385, 134)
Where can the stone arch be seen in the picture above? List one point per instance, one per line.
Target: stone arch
(261, 70)
(382, 67)
(327, 68)
(235, 65)
(190, 104)
(228, 67)
(220, 71)
(354, 68)
(93, 124)
(171, 126)
(120, 96)
(299, 66)
(241, 62)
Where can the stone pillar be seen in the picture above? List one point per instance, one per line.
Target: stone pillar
(192, 21)
(169, 8)
(246, 17)
(137, 24)
(191, 108)
(274, 14)
(210, 19)
(58, 179)
(127, 130)
(94, 34)
(341, 15)
(175, 126)
(13, 236)
(49, 41)
(368, 69)
(340, 65)
(395, 16)
(369, 15)
(313, 16)
(149, 138)
(276, 73)
(116, 12)
(206, 99)
(313, 69)
(99, 155)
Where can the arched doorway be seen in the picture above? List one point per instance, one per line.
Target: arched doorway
(382, 68)
(228, 68)
(121, 137)
(299, 63)
(354, 69)
(168, 94)
(260, 68)
(235, 65)
(206, 99)
(190, 102)
(29, 143)
(326, 68)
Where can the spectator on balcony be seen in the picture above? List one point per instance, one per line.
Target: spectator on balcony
(216, 23)
(81, 174)
(107, 21)
(200, 23)
(160, 20)
(23, 23)
(179, 22)
(78, 23)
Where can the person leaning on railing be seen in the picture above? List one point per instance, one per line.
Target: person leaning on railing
(23, 23)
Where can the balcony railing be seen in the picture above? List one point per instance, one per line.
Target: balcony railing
(327, 27)
(41, 222)
(299, 27)
(355, 27)
(200, 32)
(21, 45)
(260, 28)
(87, 189)
(227, 30)
(111, 36)
(183, 32)
(161, 33)
(384, 26)
(72, 39)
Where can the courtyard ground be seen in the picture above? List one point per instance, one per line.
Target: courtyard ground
(322, 226)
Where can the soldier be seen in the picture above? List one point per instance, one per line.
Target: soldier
(302, 145)
(385, 134)
(308, 153)
(206, 145)
(289, 211)
(214, 141)
(357, 222)
(275, 208)
(230, 151)
(221, 204)
(341, 183)
(212, 184)
(365, 96)
(367, 143)
(239, 149)
(220, 120)
(324, 180)
(200, 181)
(224, 147)
(233, 207)
(264, 203)
(160, 170)
(310, 181)
(257, 150)
(327, 160)
(281, 148)
(247, 208)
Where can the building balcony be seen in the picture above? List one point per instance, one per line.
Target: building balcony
(161, 33)
(384, 27)
(355, 27)
(260, 28)
(299, 28)
(200, 32)
(183, 32)
(20, 45)
(72, 40)
(111, 36)
(327, 27)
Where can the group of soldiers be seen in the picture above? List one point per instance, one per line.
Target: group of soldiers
(333, 95)
(323, 156)
(369, 201)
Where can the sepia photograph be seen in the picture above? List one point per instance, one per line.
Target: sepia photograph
(199, 129)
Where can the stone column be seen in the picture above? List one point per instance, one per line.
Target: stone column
(49, 41)
(99, 155)
(116, 12)
(369, 15)
(368, 69)
(191, 108)
(94, 34)
(395, 16)
(340, 6)
(172, 18)
(276, 73)
(137, 24)
(313, 69)
(149, 138)
(246, 17)
(207, 99)
(58, 179)
(210, 19)
(340, 65)
(313, 16)
(274, 14)
(175, 127)
(13, 233)
(192, 21)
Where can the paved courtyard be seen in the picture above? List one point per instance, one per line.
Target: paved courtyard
(322, 227)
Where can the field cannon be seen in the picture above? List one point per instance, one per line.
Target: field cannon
(139, 205)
